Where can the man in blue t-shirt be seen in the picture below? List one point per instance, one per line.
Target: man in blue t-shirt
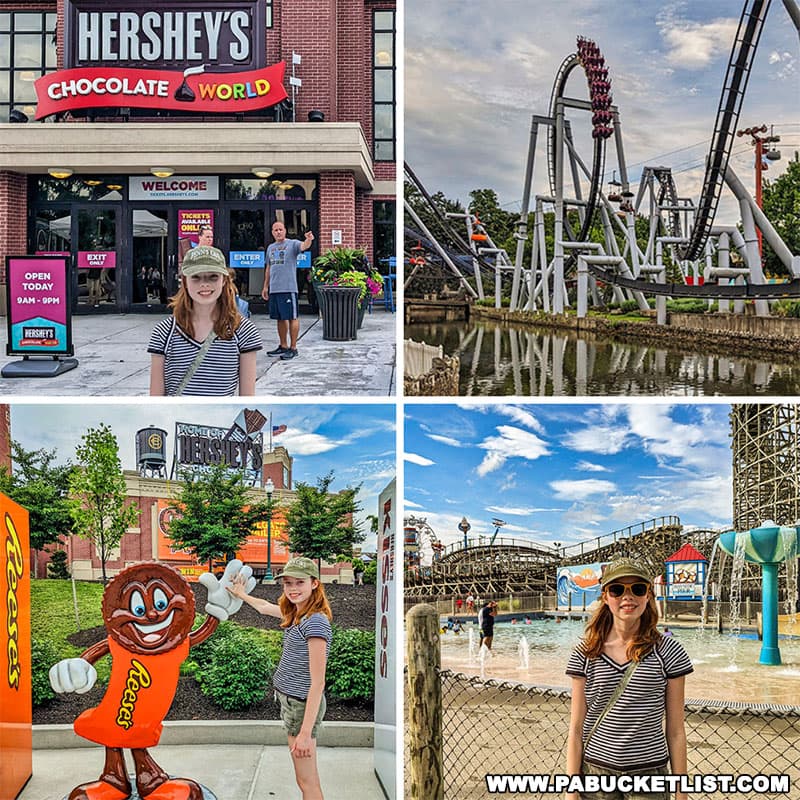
(280, 288)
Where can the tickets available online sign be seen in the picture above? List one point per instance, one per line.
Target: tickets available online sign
(38, 306)
(201, 92)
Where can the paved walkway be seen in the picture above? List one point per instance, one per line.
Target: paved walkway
(240, 768)
(112, 359)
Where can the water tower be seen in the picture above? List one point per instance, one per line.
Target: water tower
(151, 452)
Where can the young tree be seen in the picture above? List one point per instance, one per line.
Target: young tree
(781, 203)
(43, 489)
(322, 525)
(97, 491)
(213, 521)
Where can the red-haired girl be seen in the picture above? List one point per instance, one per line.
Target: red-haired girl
(299, 679)
(206, 347)
(626, 679)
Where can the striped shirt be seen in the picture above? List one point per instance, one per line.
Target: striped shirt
(218, 374)
(631, 737)
(293, 675)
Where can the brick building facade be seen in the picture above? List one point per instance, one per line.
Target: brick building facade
(80, 181)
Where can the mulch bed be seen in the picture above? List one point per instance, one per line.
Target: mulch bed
(353, 607)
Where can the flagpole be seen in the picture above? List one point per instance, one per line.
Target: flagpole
(270, 432)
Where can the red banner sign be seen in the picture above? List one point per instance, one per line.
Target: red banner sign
(109, 87)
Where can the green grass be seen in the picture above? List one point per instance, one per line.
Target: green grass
(53, 615)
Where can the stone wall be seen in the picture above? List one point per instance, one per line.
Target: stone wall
(441, 380)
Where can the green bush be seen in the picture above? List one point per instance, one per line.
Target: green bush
(238, 670)
(371, 573)
(351, 664)
(57, 567)
(787, 308)
(688, 305)
(43, 656)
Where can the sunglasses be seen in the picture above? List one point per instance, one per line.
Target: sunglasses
(618, 589)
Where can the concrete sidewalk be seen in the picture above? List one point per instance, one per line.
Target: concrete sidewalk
(113, 361)
(234, 760)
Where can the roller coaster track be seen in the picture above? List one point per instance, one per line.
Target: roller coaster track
(745, 44)
(513, 565)
(592, 62)
(453, 239)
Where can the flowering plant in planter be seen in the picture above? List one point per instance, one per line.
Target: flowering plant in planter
(337, 260)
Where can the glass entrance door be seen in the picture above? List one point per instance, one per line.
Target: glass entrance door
(151, 255)
(247, 241)
(96, 250)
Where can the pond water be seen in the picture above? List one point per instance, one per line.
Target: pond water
(503, 359)
(725, 667)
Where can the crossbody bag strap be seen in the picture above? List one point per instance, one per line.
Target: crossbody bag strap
(198, 360)
(611, 701)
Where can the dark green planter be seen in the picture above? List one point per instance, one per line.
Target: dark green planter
(339, 306)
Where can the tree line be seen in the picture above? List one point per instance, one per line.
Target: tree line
(87, 497)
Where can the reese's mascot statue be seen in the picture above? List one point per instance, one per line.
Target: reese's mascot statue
(148, 611)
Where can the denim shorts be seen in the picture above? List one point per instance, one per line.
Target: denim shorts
(593, 769)
(283, 305)
(293, 710)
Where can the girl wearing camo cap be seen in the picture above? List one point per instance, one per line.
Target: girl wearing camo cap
(627, 679)
(207, 347)
(299, 679)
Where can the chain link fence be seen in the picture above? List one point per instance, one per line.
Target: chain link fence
(501, 727)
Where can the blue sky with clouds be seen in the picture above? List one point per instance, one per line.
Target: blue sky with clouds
(357, 442)
(566, 472)
(475, 72)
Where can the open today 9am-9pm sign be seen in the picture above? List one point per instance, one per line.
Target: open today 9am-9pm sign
(39, 315)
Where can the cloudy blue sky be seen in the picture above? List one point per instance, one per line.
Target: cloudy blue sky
(566, 472)
(476, 71)
(357, 442)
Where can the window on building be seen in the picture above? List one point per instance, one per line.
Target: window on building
(383, 74)
(27, 51)
(269, 13)
(383, 245)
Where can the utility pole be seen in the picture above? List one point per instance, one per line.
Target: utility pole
(771, 154)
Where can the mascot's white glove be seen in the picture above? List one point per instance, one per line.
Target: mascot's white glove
(221, 603)
(72, 675)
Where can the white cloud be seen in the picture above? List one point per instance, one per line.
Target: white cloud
(411, 504)
(580, 490)
(691, 45)
(420, 460)
(523, 417)
(445, 440)
(512, 511)
(511, 443)
(601, 439)
(588, 466)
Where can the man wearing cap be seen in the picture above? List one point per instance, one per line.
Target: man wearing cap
(280, 288)
(206, 348)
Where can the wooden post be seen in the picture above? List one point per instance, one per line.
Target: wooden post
(424, 703)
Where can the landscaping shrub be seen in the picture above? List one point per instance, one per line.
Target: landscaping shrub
(43, 656)
(57, 566)
(688, 305)
(351, 664)
(238, 669)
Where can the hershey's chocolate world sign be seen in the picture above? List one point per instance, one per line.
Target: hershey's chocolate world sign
(229, 34)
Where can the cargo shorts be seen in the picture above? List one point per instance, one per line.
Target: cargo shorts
(593, 769)
(293, 709)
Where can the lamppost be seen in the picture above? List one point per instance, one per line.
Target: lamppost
(269, 486)
(464, 527)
